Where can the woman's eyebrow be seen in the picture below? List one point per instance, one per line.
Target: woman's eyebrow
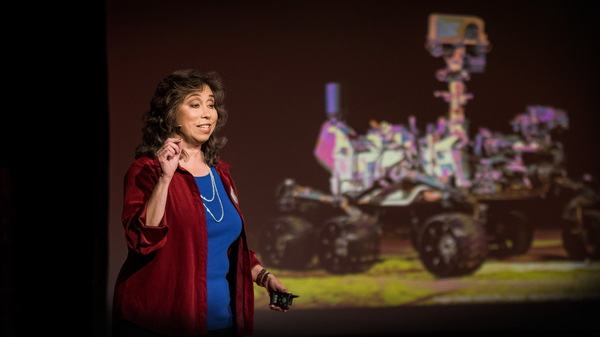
(193, 95)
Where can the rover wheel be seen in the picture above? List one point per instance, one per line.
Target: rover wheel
(511, 234)
(583, 244)
(285, 243)
(347, 246)
(452, 245)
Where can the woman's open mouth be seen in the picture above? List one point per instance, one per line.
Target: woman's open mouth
(204, 128)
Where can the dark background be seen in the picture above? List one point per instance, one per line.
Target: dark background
(82, 75)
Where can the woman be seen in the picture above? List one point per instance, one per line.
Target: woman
(189, 270)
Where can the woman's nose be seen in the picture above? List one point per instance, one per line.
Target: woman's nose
(207, 113)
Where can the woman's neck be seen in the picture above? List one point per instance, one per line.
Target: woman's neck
(194, 162)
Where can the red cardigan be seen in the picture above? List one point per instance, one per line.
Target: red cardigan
(162, 284)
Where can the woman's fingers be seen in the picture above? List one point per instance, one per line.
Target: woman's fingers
(174, 143)
(273, 284)
(179, 143)
(276, 308)
(168, 155)
(171, 148)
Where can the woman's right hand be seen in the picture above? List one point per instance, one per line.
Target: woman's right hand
(168, 156)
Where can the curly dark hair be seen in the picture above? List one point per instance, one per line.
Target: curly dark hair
(160, 122)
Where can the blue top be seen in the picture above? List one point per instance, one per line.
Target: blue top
(220, 236)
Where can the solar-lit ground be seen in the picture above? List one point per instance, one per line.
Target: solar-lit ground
(398, 279)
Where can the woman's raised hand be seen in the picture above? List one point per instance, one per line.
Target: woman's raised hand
(168, 156)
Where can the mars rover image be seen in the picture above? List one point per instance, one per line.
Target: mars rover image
(463, 191)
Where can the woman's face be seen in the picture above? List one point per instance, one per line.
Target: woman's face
(197, 117)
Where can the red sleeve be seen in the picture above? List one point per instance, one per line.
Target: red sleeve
(253, 260)
(138, 186)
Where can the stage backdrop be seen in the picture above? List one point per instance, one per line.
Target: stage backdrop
(276, 59)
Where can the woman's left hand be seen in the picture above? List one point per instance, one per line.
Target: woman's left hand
(273, 284)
